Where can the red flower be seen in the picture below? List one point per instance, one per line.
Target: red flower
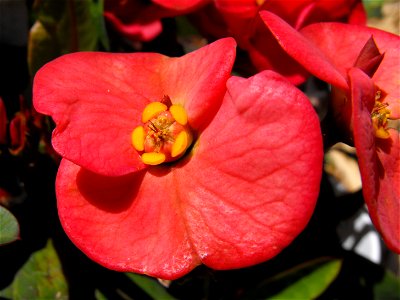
(182, 5)
(369, 108)
(244, 189)
(140, 21)
(298, 13)
(242, 21)
(18, 129)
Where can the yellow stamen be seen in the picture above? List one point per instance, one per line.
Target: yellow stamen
(380, 114)
(138, 138)
(164, 134)
(152, 109)
(382, 133)
(180, 144)
(153, 158)
(179, 114)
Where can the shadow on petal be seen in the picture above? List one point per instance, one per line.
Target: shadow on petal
(111, 194)
(160, 170)
(385, 145)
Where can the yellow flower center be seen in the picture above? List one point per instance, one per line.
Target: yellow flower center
(380, 115)
(164, 135)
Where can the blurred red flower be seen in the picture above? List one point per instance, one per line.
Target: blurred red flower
(244, 189)
(140, 21)
(18, 129)
(361, 64)
(241, 20)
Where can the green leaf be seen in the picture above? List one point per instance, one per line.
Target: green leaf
(65, 26)
(373, 8)
(150, 286)
(313, 284)
(99, 296)
(42, 48)
(9, 228)
(40, 278)
(81, 22)
(100, 26)
(185, 27)
(306, 281)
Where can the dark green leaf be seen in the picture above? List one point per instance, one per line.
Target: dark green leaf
(65, 26)
(373, 8)
(312, 285)
(388, 288)
(99, 296)
(100, 26)
(185, 27)
(306, 281)
(42, 48)
(151, 286)
(40, 278)
(9, 228)
(80, 27)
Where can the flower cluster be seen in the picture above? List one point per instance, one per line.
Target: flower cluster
(172, 162)
(361, 65)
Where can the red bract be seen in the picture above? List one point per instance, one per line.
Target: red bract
(379, 161)
(133, 19)
(329, 51)
(140, 21)
(4, 197)
(305, 12)
(242, 21)
(19, 128)
(243, 191)
(18, 131)
(297, 13)
(182, 5)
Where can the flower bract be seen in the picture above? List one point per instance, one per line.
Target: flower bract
(331, 51)
(239, 193)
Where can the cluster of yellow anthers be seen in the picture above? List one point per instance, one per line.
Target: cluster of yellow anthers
(165, 134)
(380, 115)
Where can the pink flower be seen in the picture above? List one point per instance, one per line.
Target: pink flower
(361, 64)
(242, 185)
